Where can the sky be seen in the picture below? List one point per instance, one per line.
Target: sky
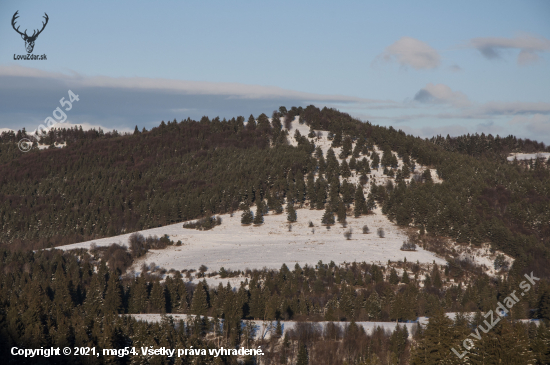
(428, 68)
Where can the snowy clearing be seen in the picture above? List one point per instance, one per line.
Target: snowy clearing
(237, 247)
(528, 156)
(265, 328)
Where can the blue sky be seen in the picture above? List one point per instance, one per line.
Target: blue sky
(427, 67)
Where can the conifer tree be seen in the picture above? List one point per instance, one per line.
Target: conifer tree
(394, 279)
(360, 202)
(303, 356)
(247, 217)
(337, 141)
(157, 300)
(375, 160)
(251, 124)
(113, 296)
(328, 217)
(199, 303)
(436, 342)
(373, 306)
(259, 216)
(290, 213)
(405, 278)
(341, 212)
(345, 170)
(346, 146)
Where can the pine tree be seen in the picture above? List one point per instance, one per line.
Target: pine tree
(345, 170)
(341, 212)
(157, 301)
(328, 216)
(113, 296)
(199, 303)
(405, 278)
(259, 216)
(373, 306)
(303, 356)
(247, 217)
(375, 160)
(360, 202)
(251, 125)
(436, 342)
(290, 213)
(394, 279)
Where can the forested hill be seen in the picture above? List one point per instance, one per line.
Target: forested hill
(104, 184)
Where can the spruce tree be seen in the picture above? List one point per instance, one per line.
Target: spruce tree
(360, 202)
(394, 279)
(259, 216)
(435, 345)
(328, 217)
(199, 303)
(341, 213)
(345, 170)
(303, 356)
(113, 296)
(247, 217)
(290, 213)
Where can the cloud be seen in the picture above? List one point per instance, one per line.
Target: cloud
(529, 46)
(234, 90)
(28, 96)
(412, 52)
(514, 108)
(455, 68)
(441, 94)
(537, 125)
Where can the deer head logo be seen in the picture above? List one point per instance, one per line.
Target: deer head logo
(29, 40)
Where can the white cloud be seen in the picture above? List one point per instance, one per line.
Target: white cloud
(529, 46)
(412, 52)
(537, 125)
(513, 108)
(236, 90)
(441, 94)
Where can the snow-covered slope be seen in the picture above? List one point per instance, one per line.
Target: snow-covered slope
(528, 156)
(263, 329)
(237, 247)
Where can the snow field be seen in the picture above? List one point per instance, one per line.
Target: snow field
(237, 247)
(264, 329)
(528, 156)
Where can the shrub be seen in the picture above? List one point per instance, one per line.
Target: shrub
(118, 257)
(408, 246)
(366, 229)
(501, 263)
(310, 224)
(136, 241)
(381, 233)
(203, 224)
(347, 234)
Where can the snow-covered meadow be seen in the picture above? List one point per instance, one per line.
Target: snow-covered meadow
(264, 329)
(529, 156)
(234, 246)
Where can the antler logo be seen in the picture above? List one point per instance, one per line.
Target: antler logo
(29, 40)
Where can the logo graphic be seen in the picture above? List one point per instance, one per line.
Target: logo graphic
(29, 40)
